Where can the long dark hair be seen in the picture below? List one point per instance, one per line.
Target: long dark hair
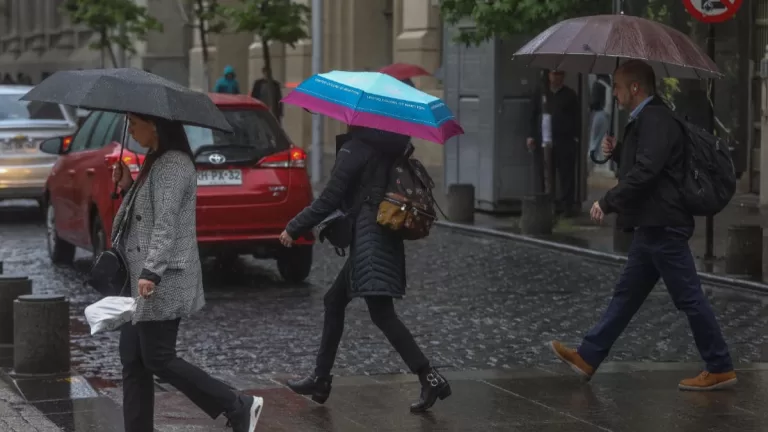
(170, 136)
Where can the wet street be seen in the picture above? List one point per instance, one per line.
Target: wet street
(482, 308)
(472, 303)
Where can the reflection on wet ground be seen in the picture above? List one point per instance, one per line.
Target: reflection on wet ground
(626, 397)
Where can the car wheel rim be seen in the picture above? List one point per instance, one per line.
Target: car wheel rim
(50, 224)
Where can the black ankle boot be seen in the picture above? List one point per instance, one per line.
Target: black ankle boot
(433, 386)
(318, 387)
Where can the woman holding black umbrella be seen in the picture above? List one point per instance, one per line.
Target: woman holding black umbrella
(154, 234)
(160, 247)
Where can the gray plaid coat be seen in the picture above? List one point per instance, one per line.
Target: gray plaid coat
(160, 241)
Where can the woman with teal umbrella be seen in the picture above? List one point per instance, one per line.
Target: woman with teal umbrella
(375, 267)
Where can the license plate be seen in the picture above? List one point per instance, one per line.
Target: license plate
(220, 178)
(18, 146)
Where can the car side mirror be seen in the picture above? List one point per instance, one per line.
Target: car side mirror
(52, 146)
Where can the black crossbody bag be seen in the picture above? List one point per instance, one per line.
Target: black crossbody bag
(109, 273)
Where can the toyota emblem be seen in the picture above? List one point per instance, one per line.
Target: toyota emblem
(217, 159)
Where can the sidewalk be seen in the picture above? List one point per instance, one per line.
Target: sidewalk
(16, 413)
(631, 397)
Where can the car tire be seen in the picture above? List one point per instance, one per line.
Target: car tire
(295, 263)
(98, 236)
(60, 251)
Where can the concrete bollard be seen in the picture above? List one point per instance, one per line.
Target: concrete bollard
(744, 250)
(11, 287)
(622, 240)
(461, 203)
(41, 335)
(537, 215)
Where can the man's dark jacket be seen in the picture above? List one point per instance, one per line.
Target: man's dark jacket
(377, 255)
(650, 159)
(565, 108)
(259, 91)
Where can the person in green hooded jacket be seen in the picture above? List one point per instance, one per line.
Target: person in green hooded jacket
(228, 82)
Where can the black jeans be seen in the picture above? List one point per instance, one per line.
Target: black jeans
(564, 159)
(659, 253)
(382, 310)
(149, 348)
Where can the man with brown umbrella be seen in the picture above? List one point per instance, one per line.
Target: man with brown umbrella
(648, 201)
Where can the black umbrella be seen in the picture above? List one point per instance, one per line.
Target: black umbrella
(130, 90)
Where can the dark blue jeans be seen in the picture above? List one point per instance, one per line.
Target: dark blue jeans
(654, 253)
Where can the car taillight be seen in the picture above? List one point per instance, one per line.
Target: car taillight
(133, 162)
(291, 158)
(65, 143)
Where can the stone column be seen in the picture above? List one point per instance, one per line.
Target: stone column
(298, 67)
(223, 50)
(419, 40)
(256, 62)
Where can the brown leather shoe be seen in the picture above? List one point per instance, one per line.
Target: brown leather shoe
(572, 359)
(707, 381)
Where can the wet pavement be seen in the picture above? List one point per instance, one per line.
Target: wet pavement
(474, 303)
(622, 397)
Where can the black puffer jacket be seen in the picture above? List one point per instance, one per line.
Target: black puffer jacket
(377, 256)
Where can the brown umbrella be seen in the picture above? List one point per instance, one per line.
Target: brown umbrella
(597, 44)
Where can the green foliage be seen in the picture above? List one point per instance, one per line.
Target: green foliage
(272, 20)
(211, 15)
(504, 18)
(106, 17)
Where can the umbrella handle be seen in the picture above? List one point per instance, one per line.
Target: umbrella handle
(116, 195)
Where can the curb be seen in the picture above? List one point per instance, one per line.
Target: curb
(710, 278)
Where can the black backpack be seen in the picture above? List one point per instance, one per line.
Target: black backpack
(710, 179)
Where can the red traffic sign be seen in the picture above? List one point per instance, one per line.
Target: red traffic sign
(712, 11)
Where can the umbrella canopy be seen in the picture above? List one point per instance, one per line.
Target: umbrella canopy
(594, 44)
(404, 71)
(376, 100)
(130, 90)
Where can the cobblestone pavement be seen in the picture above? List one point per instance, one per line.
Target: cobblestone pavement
(18, 416)
(472, 303)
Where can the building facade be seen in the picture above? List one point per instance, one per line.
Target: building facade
(357, 35)
(37, 39)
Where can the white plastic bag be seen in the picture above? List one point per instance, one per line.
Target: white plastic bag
(110, 313)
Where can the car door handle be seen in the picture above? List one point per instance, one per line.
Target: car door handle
(90, 171)
(71, 172)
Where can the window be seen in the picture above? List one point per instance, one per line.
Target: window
(81, 138)
(103, 132)
(11, 108)
(252, 128)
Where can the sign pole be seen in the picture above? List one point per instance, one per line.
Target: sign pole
(709, 232)
(316, 153)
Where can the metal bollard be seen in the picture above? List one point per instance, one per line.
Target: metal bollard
(11, 287)
(461, 203)
(41, 335)
(537, 215)
(744, 252)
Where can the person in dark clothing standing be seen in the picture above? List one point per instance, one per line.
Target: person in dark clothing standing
(259, 91)
(375, 268)
(562, 104)
(648, 201)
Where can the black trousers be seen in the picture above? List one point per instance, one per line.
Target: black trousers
(149, 348)
(382, 310)
(564, 160)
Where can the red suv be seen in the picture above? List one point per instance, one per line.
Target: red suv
(250, 184)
